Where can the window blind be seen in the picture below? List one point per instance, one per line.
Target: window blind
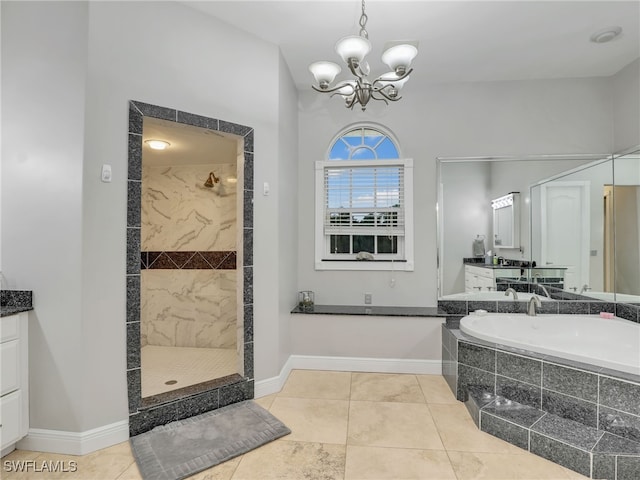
(364, 199)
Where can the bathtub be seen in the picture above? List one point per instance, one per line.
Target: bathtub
(611, 343)
(491, 296)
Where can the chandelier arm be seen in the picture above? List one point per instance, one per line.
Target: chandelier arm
(356, 70)
(380, 79)
(334, 89)
(386, 97)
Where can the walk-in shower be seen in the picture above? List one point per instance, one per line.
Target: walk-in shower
(190, 292)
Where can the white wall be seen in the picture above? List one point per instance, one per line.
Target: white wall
(626, 107)
(463, 119)
(69, 70)
(44, 54)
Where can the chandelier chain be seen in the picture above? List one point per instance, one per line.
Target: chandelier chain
(363, 23)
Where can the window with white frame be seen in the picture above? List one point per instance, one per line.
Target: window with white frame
(364, 214)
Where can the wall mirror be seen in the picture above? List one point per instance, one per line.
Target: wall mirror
(506, 221)
(580, 219)
(466, 187)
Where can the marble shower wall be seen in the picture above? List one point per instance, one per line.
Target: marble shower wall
(179, 213)
(188, 307)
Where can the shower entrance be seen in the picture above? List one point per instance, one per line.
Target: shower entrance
(189, 295)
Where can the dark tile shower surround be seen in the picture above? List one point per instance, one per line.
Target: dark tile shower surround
(581, 416)
(157, 411)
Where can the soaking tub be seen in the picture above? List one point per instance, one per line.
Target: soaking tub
(492, 296)
(611, 343)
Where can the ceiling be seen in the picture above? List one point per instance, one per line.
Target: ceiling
(458, 40)
(189, 145)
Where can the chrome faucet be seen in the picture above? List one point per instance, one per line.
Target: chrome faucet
(511, 290)
(544, 289)
(531, 307)
(584, 288)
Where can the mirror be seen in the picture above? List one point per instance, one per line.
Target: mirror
(506, 221)
(465, 190)
(579, 221)
(625, 256)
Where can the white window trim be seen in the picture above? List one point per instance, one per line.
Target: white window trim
(406, 265)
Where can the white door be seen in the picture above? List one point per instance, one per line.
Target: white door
(565, 230)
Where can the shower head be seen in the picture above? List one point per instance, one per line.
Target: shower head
(211, 180)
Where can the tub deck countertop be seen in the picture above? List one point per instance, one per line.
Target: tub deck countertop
(371, 310)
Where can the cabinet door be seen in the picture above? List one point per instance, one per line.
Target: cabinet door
(9, 366)
(10, 418)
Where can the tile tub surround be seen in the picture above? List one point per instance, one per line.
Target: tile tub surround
(15, 301)
(144, 419)
(585, 397)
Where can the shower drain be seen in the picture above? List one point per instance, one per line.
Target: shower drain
(170, 382)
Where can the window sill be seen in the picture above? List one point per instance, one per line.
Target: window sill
(366, 265)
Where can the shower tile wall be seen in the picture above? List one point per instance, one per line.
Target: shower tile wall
(184, 302)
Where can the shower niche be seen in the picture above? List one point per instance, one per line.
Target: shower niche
(189, 267)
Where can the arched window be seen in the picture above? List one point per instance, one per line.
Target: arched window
(363, 203)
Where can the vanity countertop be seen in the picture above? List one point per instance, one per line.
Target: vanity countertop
(510, 267)
(15, 301)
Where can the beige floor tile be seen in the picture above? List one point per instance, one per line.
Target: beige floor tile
(571, 475)
(385, 387)
(224, 471)
(313, 420)
(131, 473)
(317, 384)
(266, 401)
(497, 466)
(435, 389)
(105, 464)
(459, 433)
(376, 463)
(286, 460)
(392, 424)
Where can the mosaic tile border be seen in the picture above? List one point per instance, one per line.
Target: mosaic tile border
(206, 260)
(143, 419)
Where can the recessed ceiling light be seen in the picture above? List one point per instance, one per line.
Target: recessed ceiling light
(157, 144)
(606, 34)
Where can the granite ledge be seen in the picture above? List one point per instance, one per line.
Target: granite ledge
(13, 302)
(371, 310)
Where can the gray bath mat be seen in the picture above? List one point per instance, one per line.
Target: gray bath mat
(180, 449)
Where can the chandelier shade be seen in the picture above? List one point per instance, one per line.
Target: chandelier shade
(399, 57)
(324, 72)
(353, 49)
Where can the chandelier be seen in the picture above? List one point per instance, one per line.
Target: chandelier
(353, 49)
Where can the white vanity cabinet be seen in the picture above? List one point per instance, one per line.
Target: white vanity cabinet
(14, 380)
(478, 279)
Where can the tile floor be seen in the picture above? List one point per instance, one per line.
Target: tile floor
(348, 426)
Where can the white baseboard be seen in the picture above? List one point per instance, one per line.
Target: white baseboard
(345, 364)
(75, 443)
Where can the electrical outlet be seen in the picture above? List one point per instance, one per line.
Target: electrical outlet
(367, 299)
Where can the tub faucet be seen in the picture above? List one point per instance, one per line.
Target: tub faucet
(584, 288)
(533, 303)
(544, 289)
(511, 290)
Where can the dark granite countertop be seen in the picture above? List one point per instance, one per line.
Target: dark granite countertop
(15, 301)
(372, 310)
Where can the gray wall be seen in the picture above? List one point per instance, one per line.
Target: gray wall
(69, 70)
(462, 119)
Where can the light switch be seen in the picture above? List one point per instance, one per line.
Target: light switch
(265, 188)
(106, 173)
